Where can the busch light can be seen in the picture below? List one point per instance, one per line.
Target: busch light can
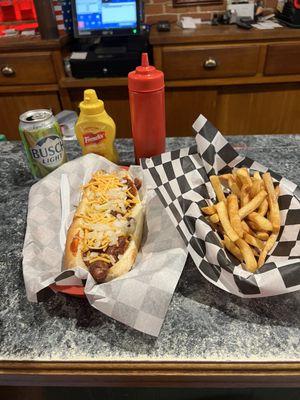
(43, 142)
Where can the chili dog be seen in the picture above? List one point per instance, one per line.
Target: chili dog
(106, 231)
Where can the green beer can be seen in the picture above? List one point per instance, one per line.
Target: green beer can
(43, 142)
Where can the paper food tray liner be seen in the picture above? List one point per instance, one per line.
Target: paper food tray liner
(181, 180)
(141, 297)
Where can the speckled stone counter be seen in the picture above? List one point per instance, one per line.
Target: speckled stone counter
(203, 323)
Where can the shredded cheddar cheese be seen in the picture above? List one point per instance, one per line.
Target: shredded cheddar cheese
(107, 205)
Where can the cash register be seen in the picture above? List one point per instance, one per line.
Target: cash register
(109, 38)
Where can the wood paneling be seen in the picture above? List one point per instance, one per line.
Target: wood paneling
(282, 59)
(71, 83)
(46, 19)
(220, 34)
(12, 106)
(182, 108)
(259, 109)
(29, 68)
(188, 62)
(30, 43)
(150, 374)
(254, 88)
(234, 81)
(184, 105)
(116, 104)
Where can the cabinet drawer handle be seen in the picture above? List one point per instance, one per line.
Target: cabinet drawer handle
(7, 71)
(210, 63)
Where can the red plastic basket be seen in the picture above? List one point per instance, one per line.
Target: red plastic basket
(77, 291)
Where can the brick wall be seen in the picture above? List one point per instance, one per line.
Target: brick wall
(156, 10)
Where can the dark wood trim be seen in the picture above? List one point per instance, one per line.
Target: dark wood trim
(110, 82)
(58, 64)
(221, 34)
(29, 88)
(65, 99)
(185, 3)
(155, 374)
(92, 82)
(9, 45)
(46, 19)
(255, 80)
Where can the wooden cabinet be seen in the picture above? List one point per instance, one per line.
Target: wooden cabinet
(254, 109)
(27, 68)
(183, 105)
(192, 62)
(245, 82)
(14, 104)
(282, 59)
(30, 70)
(116, 102)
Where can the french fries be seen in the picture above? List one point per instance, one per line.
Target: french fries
(253, 204)
(232, 248)
(210, 210)
(244, 176)
(273, 203)
(223, 215)
(255, 242)
(246, 228)
(257, 176)
(263, 208)
(268, 246)
(248, 218)
(234, 186)
(262, 235)
(214, 218)
(261, 223)
(233, 213)
(248, 256)
(245, 196)
(216, 184)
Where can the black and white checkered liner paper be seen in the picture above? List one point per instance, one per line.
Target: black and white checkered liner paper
(181, 180)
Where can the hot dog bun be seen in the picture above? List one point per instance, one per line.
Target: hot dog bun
(106, 231)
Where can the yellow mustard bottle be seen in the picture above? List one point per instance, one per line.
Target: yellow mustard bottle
(95, 129)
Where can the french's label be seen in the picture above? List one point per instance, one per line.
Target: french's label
(93, 138)
(49, 151)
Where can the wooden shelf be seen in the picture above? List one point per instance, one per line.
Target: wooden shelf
(219, 82)
(31, 43)
(92, 82)
(220, 34)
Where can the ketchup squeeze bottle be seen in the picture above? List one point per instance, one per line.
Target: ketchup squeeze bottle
(147, 108)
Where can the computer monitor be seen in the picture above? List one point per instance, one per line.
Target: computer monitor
(105, 17)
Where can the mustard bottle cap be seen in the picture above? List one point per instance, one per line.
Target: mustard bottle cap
(91, 104)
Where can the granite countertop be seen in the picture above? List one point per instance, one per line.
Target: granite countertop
(203, 323)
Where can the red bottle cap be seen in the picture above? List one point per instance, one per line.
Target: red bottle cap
(145, 78)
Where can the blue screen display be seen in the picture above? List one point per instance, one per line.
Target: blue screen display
(105, 14)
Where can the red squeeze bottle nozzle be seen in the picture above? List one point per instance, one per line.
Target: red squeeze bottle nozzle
(147, 109)
(145, 60)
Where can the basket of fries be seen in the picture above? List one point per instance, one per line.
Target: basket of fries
(240, 221)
